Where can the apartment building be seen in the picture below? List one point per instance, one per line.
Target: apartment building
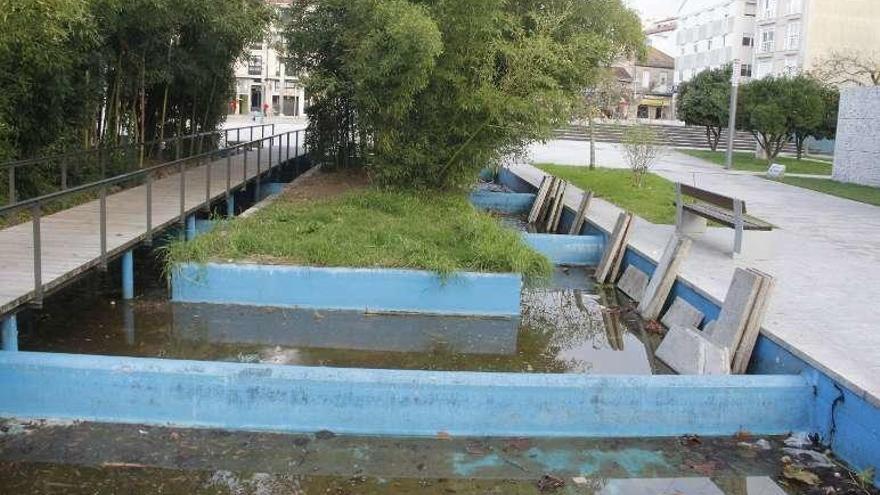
(649, 86)
(795, 35)
(262, 78)
(711, 34)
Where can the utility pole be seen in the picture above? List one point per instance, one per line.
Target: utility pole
(731, 125)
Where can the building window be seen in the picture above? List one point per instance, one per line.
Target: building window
(748, 40)
(767, 9)
(709, 45)
(255, 66)
(794, 6)
(745, 70)
(663, 79)
(764, 69)
(646, 79)
(793, 36)
(768, 41)
(791, 66)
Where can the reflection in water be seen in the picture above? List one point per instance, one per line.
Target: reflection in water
(568, 327)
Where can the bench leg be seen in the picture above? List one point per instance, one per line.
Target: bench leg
(738, 226)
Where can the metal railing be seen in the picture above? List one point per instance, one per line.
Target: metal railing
(131, 154)
(35, 205)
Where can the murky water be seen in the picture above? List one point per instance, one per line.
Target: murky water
(100, 458)
(569, 327)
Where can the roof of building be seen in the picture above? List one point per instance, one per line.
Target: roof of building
(622, 74)
(657, 59)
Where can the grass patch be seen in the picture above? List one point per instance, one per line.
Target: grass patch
(748, 162)
(440, 232)
(654, 201)
(855, 192)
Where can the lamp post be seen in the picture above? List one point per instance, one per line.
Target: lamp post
(731, 125)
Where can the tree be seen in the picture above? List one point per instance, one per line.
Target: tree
(480, 79)
(85, 73)
(641, 148)
(705, 101)
(601, 98)
(857, 68)
(812, 120)
(773, 109)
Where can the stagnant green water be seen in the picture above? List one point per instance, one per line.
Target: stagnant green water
(89, 458)
(569, 326)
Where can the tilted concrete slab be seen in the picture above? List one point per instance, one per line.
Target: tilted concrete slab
(682, 314)
(633, 283)
(689, 352)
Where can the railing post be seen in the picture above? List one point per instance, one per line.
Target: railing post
(230, 207)
(103, 222)
(280, 149)
(177, 145)
(64, 172)
(101, 163)
(149, 234)
(208, 181)
(38, 256)
(296, 147)
(12, 198)
(259, 171)
(238, 136)
(182, 174)
(288, 146)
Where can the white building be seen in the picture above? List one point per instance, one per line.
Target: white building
(711, 34)
(261, 78)
(795, 35)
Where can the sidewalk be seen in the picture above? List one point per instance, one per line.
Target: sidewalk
(825, 255)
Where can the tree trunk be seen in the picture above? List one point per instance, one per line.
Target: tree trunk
(592, 142)
(799, 144)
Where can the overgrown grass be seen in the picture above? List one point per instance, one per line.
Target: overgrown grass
(438, 232)
(748, 162)
(855, 192)
(654, 201)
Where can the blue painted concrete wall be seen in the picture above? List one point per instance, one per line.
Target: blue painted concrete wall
(509, 203)
(359, 401)
(568, 249)
(481, 294)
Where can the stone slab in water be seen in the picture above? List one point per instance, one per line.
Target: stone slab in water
(682, 314)
(633, 283)
(688, 352)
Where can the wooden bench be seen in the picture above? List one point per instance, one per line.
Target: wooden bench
(723, 210)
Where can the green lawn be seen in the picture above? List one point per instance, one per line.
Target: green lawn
(748, 162)
(369, 228)
(864, 194)
(654, 201)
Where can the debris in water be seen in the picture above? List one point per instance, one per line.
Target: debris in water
(325, 435)
(792, 472)
(653, 326)
(550, 483)
(689, 440)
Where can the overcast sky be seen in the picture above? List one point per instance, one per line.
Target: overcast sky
(652, 9)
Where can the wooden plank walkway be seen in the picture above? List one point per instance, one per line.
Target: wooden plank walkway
(70, 238)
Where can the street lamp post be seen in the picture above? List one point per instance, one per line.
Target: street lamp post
(731, 125)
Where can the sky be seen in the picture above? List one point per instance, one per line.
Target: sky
(653, 9)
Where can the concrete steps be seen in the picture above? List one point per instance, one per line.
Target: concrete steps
(674, 136)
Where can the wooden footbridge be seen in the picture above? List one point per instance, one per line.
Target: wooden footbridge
(47, 251)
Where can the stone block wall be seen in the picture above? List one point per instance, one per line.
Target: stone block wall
(857, 151)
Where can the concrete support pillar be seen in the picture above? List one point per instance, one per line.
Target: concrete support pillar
(230, 206)
(190, 227)
(9, 333)
(128, 321)
(128, 275)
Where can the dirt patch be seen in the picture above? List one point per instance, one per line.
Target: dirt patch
(324, 185)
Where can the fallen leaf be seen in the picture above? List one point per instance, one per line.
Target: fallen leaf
(550, 483)
(689, 440)
(795, 473)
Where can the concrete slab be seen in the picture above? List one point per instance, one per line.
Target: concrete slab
(633, 283)
(689, 352)
(821, 245)
(657, 292)
(682, 314)
(728, 329)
